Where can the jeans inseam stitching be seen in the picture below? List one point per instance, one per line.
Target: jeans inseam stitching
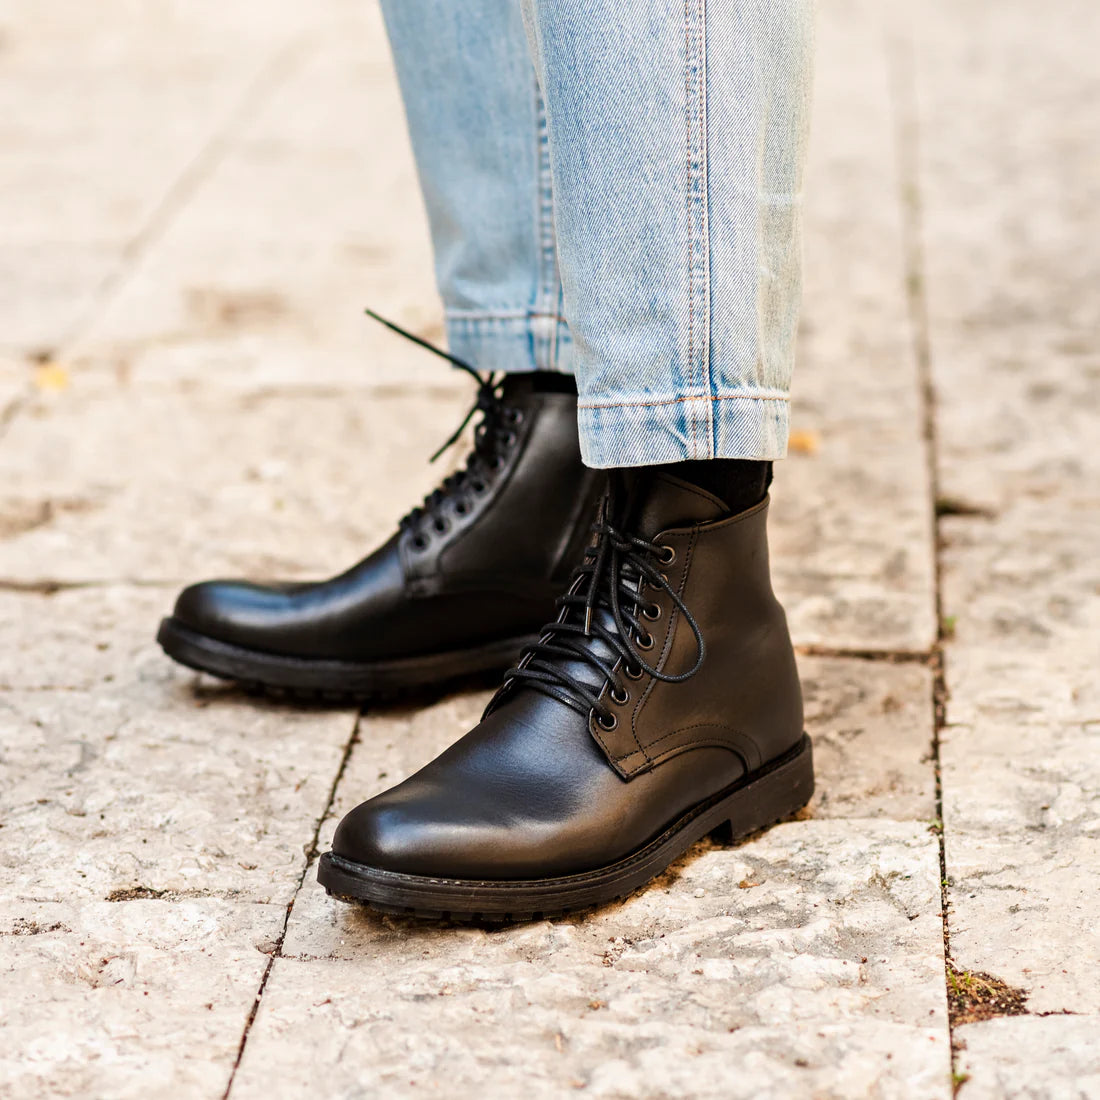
(704, 214)
(545, 227)
(709, 397)
(688, 211)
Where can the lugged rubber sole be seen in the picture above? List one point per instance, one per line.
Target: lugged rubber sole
(764, 798)
(332, 681)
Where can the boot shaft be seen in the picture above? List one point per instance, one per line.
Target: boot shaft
(720, 571)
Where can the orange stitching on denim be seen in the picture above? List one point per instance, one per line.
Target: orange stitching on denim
(687, 203)
(681, 400)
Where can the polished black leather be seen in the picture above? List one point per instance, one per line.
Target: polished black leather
(538, 789)
(476, 566)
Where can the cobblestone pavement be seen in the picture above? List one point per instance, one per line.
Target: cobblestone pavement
(196, 201)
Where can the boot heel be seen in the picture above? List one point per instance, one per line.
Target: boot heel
(771, 795)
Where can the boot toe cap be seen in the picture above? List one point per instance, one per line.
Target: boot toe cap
(230, 611)
(392, 836)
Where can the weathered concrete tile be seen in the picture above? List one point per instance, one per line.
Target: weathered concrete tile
(799, 964)
(871, 724)
(292, 215)
(146, 785)
(1030, 1058)
(1011, 301)
(84, 639)
(852, 534)
(142, 484)
(1023, 594)
(129, 999)
(45, 287)
(123, 105)
(1012, 315)
(1022, 824)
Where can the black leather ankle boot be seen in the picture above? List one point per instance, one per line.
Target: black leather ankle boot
(662, 705)
(466, 580)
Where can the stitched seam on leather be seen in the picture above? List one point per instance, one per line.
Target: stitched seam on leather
(675, 750)
(669, 638)
(703, 725)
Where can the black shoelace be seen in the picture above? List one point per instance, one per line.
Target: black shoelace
(611, 579)
(492, 438)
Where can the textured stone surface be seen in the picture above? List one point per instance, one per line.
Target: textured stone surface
(805, 963)
(1029, 1058)
(872, 728)
(127, 999)
(106, 110)
(109, 483)
(852, 534)
(86, 639)
(200, 201)
(1013, 316)
(128, 777)
(333, 223)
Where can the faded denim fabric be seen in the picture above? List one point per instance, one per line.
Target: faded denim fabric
(478, 132)
(672, 143)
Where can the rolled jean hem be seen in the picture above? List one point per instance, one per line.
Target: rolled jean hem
(651, 430)
(512, 342)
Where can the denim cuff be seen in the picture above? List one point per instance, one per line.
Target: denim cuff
(513, 342)
(652, 429)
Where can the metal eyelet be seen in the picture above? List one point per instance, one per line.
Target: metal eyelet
(609, 726)
(515, 416)
(652, 613)
(461, 508)
(620, 697)
(420, 543)
(669, 555)
(510, 439)
(645, 643)
(440, 525)
(633, 673)
(497, 464)
(479, 487)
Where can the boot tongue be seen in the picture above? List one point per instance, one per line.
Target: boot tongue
(655, 502)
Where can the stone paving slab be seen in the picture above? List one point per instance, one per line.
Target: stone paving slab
(871, 724)
(370, 988)
(105, 107)
(144, 785)
(105, 483)
(807, 962)
(1012, 320)
(87, 639)
(1030, 1058)
(257, 484)
(134, 999)
(852, 536)
(332, 222)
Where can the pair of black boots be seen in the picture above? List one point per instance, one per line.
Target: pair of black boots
(661, 703)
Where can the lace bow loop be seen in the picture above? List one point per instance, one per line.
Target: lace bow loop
(608, 585)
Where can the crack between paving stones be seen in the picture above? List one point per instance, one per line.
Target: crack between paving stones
(311, 855)
(903, 88)
(273, 73)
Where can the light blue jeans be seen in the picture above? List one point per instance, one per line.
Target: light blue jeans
(626, 208)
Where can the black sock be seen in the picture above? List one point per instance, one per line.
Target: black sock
(739, 482)
(549, 381)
